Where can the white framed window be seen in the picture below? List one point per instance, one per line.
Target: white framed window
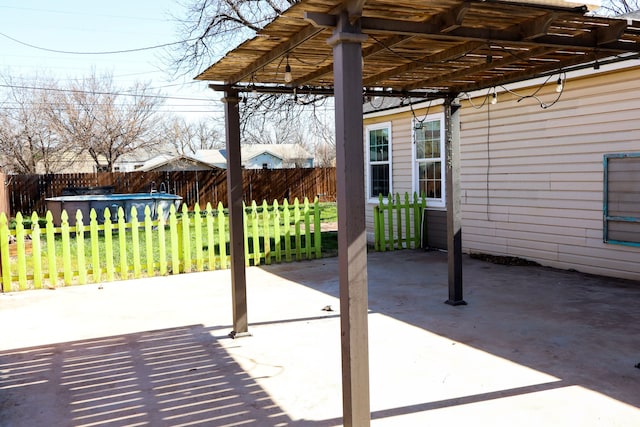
(428, 159)
(378, 146)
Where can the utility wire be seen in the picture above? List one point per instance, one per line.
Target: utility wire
(139, 49)
(103, 93)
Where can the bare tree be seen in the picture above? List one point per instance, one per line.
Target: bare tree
(186, 137)
(618, 7)
(210, 28)
(99, 119)
(28, 142)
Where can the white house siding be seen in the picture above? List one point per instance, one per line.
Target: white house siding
(532, 181)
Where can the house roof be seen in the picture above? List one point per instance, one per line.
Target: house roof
(427, 47)
(165, 159)
(282, 151)
(213, 157)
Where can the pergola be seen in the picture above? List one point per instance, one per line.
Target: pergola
(411, 48)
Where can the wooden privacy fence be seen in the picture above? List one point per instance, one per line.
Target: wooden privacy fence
(398, 224)
(47, 256)
(27, 193)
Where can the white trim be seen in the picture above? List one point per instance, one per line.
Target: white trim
(431, 203)
(367, 172)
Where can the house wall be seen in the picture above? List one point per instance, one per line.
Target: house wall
(532, 178)
(402, 174)
(258, 161)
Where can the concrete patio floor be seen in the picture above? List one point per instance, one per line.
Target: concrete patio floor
(534, 347)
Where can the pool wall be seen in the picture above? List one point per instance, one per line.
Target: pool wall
(99, 202)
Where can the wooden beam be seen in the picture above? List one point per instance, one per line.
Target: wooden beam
(452, 18)
(371, 50)
(497, 80)
(452, 196)
(296, 40)
(236, 211)
(536, 27)
(512, 36)
(445, 55)
(461, 73)
(352, 238)
(610, 34)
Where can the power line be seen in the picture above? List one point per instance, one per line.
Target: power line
(139, 49)
(103, 93)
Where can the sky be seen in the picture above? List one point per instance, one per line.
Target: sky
(31, 29)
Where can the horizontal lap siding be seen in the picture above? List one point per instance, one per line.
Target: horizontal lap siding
(535, 190)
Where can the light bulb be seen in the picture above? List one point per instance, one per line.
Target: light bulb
(287, 74)
(559, 85)
(494, 99)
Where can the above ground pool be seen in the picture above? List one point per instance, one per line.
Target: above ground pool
(99, 202)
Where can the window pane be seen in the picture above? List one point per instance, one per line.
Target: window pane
(429, 180)
(379, 145)
(379, 180)
(428, 140)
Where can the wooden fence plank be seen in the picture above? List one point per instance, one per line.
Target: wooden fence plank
(22, 261)
(186, 240)
(173, 237)
(122, 244)
(36, 251)
(82, 262)
(108, 246)
(4, 253)
(66, 248)
(135, 243)
(148, 241)
(197, 220)
(95, 247)
(408, 235)
(263, 225)
(162, 244)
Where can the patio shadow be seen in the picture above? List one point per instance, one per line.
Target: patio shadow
(178, 376)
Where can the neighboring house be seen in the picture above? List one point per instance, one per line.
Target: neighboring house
(181, 162)
(534, 181)
(217, 158)
(261, 156)
(72, 162)
(275, 156)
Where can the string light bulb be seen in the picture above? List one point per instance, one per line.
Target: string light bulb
(288, 78)
(559, 85)
(494, 98)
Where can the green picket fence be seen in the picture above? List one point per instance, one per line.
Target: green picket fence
(397, 224)
(198, 240)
